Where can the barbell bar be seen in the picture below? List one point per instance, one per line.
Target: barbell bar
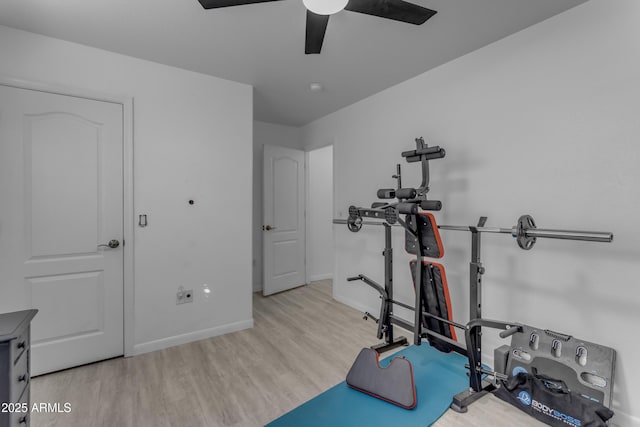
(525, 231)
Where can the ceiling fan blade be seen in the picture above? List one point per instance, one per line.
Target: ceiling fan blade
(397, 10)
(214, 4)
(316, 27)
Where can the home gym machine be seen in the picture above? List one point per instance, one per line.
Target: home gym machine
(409, 202)
(432, 316)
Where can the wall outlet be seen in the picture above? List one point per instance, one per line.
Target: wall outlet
(184, 296)
(188, 295)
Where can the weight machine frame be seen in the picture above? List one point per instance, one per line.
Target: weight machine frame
(525, 233)
(386, 318)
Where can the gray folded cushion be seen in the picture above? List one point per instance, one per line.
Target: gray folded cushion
(393, 383)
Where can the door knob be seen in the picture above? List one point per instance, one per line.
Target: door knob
(112, 244)
(268, 227)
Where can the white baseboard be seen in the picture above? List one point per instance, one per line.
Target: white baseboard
(354, 304)
(316, 277)
(191, 336)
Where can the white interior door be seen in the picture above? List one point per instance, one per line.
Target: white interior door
(284, 226)
(61, 193)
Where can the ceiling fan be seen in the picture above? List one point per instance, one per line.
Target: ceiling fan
(319, 11)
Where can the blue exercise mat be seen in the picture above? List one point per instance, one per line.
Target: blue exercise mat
(438, 377)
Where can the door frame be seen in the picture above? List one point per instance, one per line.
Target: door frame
(307, 206)
(127, 170)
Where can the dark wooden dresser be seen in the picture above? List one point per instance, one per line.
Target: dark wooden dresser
(15, 368)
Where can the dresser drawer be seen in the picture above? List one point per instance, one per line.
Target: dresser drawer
(20, 345)
(15, 375)
(20, 414)
(20, 377)
(19, 420)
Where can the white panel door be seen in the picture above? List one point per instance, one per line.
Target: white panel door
(283, 226)
(61, 197)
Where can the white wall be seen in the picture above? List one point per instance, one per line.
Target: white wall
(320, 214)
(265, 134)
(544, 122)
(192, 139)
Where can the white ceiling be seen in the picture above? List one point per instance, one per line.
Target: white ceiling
(263, 44)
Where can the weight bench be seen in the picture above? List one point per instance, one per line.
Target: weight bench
(395, 384)
(436, 302)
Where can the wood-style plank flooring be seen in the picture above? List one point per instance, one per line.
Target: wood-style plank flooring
(303, 343)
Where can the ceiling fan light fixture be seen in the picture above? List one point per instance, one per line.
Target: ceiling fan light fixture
(325, 7)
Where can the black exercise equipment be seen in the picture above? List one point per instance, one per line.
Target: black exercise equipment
(526, 233)
(580, 373)
(425, 223)
(436, 302)
(410, 200)
(431, 308)
(386, 318)
(432, 279)
(587, 368)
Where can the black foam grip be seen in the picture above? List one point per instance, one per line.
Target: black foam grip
(406, 193)
(431, 205)
(424, 150)
(407, 208)
(386, 193)
(431, 156)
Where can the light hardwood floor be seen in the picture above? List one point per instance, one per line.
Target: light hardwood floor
(303, 343)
